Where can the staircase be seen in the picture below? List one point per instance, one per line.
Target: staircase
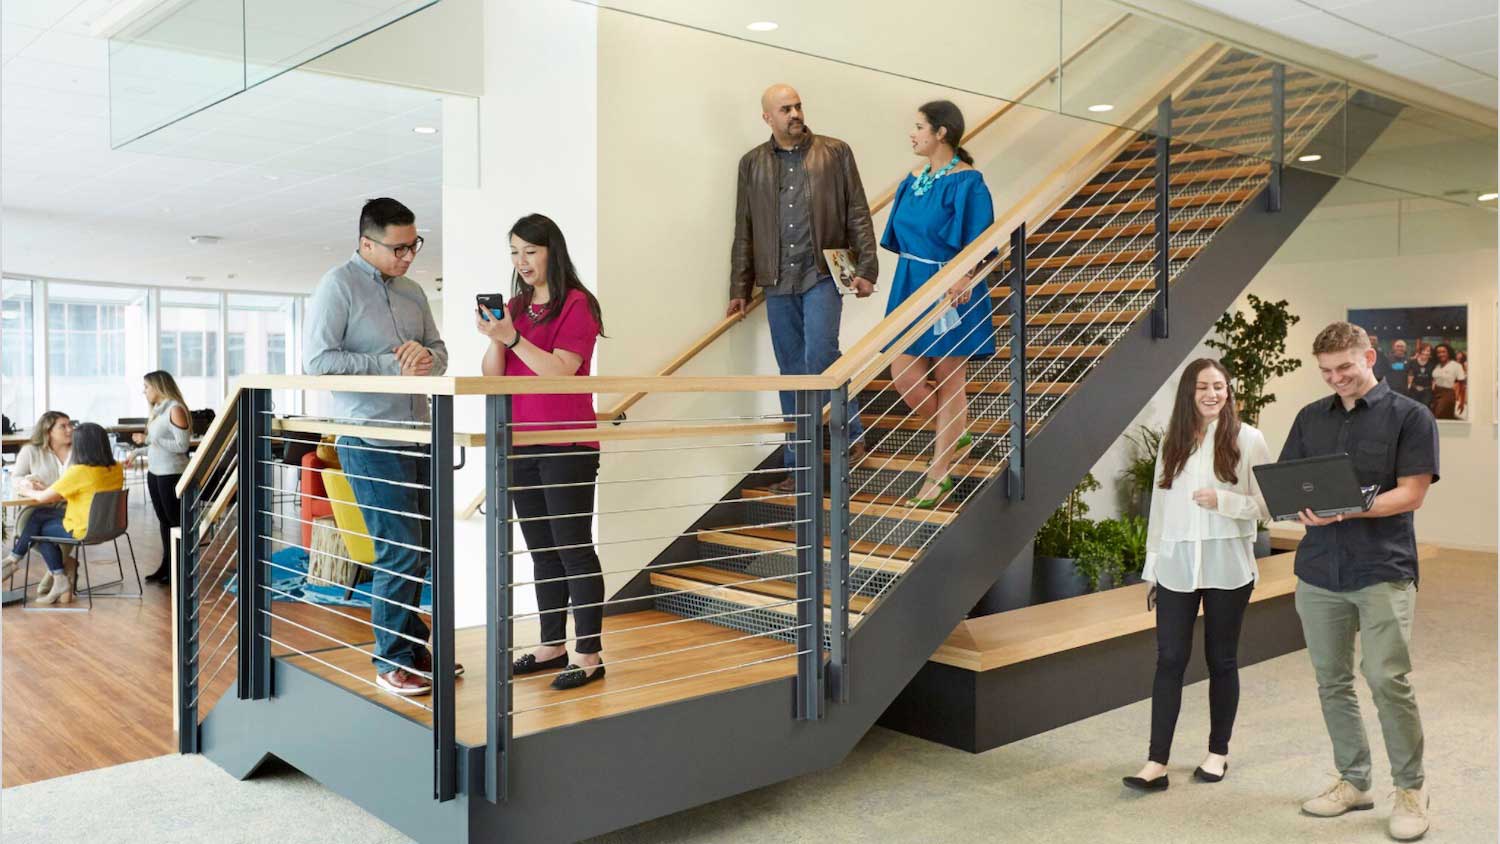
(1091, 280)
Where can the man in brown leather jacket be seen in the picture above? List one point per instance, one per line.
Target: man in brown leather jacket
(799, 193)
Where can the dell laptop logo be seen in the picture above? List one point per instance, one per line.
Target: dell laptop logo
(1307, 486)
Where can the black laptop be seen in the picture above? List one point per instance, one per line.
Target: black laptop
(1325, 485)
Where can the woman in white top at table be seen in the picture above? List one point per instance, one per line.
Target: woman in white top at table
(1200, 549)
(38, 465)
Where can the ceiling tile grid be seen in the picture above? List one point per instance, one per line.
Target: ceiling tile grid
(278, 172)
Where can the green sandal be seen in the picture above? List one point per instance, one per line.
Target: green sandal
(945, 486)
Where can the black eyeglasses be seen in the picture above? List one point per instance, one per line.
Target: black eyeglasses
(403, 249)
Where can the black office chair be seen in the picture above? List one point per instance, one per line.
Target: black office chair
(109, 519)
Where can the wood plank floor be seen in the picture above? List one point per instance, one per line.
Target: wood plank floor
(641, 672)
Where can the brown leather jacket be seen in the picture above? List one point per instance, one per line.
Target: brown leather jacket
(840, 214)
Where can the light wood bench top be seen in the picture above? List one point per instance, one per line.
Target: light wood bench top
(995, 641)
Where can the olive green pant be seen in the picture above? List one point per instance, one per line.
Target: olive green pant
(1381, 615)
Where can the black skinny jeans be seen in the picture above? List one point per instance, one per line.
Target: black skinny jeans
(1223, 613)
(168, 506)
(579, 466)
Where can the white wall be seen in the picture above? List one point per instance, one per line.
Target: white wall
(1382, 254)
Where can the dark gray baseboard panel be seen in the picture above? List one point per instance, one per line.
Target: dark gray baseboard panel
(981, 710)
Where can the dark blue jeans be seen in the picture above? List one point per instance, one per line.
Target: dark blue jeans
(386, 529)
(805, 337)
(44, 521)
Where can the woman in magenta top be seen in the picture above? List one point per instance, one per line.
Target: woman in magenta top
(548, 329)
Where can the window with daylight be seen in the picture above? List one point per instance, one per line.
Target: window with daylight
(96, 339)
(259, 326)
(18, 376)
(188, 344)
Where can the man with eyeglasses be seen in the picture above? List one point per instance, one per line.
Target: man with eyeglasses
(368, 318)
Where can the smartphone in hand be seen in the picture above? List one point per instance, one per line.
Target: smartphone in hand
(490, 305)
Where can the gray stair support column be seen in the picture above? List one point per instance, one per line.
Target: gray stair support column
(808, 471)
(838, 538)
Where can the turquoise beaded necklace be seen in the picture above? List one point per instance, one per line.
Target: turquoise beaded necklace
(927, 178)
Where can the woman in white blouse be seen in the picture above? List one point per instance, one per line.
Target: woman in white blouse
(39, 464)
(1200, 549)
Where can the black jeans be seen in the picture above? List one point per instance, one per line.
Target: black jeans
(168, 506)
(1223, 613)
(561, 568)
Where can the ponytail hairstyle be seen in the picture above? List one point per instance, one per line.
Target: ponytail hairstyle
(943, 114)
(1181, 438)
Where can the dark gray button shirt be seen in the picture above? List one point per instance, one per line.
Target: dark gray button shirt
(797, 271)
(1389, 436)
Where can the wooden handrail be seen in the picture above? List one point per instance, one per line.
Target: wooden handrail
(616, 410)
(213, 441)
(905, 325)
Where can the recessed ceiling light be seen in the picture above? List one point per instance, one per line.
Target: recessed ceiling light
(1489, 197)
(204, 239)
(763, 26)
(425, 130)
(195, 278)
(1309, 158)
(1101, 107)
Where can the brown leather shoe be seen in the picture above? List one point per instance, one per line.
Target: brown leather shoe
(424, 664)
(786, 485)
(857, 453)
(402, 682)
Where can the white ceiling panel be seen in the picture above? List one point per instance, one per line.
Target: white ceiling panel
(278, 172)
(1456, 39)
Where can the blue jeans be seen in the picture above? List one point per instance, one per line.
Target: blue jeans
(805, 337)
(44, 521)
(358, 460)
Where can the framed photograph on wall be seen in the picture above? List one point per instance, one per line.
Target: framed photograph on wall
(1423, 353)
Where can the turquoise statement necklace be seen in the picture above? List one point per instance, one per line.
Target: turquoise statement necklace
(927, 178)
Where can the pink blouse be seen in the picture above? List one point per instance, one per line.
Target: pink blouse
(574, 330)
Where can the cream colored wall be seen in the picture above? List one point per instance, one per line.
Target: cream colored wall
(677, 109)
(1383, 254)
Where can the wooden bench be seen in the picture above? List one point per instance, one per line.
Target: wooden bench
(1008, 676)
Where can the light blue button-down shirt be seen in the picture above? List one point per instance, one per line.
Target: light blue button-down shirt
(356, 319)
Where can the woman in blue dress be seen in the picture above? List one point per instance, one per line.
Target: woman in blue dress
(936, 212)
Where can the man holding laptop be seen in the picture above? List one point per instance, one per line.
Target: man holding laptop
(1357, 573)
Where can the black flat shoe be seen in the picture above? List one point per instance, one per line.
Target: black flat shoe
(161, 575)
(528, 664)
(1139, 784)
(576, 677)
(1204, 776)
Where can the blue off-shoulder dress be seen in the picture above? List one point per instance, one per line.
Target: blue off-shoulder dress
(937, 226)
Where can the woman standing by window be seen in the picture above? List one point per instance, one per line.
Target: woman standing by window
(168, 435)
(548, 329)
(937, 210)
(1200, 550)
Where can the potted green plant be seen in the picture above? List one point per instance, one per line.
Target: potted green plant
(1254, 353)
(1139, 474)
(1100, 556)
(1133, 547)
(1057, 544)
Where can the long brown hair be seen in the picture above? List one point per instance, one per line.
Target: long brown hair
(165, 386)
(1182, 431)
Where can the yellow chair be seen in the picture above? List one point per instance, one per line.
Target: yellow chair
(347, 515)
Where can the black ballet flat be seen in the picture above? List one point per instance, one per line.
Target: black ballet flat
(1204, 776)
(1140, 784)
(575, 677)
(528, 664)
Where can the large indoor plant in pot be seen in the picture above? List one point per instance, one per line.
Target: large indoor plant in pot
(1057, 544)
(1139, 475)
(1254, 352)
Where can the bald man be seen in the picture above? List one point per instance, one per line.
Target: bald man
(799, 194)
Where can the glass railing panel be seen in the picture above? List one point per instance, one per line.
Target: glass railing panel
(282, 34)
(169, 65)
(1420, 151)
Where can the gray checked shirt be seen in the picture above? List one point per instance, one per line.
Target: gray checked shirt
(797, 270)
(356, 318)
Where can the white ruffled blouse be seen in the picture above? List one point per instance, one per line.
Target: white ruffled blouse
(1189, 547)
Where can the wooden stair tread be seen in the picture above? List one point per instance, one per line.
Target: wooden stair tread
(1036, 388)
(743, 597)
(1079, 288)
(1116, 256)
(782, 589)
(884, 461)
(1073, 318)
(1142, 162)
(789, 536)
(1082, 236)
(864, 503)
(1227, 132)
(1192, 177)
(1216, 198)
(1256, 90)
(1249, 110)
(762, 540)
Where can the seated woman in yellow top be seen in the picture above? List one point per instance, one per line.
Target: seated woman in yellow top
(93, 470)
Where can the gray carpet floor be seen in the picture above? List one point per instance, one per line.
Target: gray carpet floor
(1060, 786)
